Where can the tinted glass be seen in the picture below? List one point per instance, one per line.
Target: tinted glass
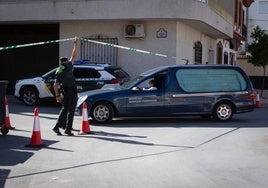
(86, 73)
(118, 73)
(210, 80)
(50, 74)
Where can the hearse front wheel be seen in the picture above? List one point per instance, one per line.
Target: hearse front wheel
(102, 112)
(223, 111)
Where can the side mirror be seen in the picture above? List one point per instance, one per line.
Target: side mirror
(135, 89)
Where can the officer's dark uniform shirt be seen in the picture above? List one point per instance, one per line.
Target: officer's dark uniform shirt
(65, 76)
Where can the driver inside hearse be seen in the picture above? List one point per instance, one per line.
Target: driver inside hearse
(150, 86)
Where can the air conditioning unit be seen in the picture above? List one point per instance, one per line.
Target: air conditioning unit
(134, 31)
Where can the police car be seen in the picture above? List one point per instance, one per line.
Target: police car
(88, 77)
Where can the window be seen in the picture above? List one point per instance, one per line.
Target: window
(118, 73)
(198, 52)
(236, 5)
(203, 1)
(240, 14)
(263, 7)
(210, 80)
(99, 53)
(219, 53)
(232, 58)
(86, 73)
(225, 58)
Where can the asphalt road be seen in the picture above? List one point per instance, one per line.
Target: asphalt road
(160, 153)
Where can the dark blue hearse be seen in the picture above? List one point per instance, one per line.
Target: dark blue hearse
(217, 91)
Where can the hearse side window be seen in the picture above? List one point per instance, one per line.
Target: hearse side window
(210, 80)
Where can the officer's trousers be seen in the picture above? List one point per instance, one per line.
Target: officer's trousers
(66, 115)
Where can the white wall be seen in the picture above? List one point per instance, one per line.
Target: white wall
(186, 37)
(132, 62)
(84, 18)
(178, 43)
(258, 15)
(250, 69)
(67, 10)
(138, 62)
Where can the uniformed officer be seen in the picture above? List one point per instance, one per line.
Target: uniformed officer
(65, 82)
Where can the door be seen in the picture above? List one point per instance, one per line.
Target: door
(186, 97)
(186, 103)
(87, 79)
(211, 57)
(146, 102)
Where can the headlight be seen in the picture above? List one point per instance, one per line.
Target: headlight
(81, 100)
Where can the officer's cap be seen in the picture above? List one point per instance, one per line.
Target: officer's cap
(63, 59)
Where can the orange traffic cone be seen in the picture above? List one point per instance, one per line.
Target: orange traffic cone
(36, 140)
(257, 102)
(85, 129)
(7, 120)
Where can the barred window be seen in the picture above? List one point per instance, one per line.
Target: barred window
(198, 52)
(99, 53)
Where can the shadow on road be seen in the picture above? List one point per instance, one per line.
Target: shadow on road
(17, 107)
(3, 176)
(178, 122)
(14, 151)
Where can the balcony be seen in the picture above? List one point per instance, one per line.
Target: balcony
(247, 3)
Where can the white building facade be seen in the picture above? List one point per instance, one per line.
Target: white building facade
(184, 30)
(257, 15)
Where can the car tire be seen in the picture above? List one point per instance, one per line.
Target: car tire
(223, 111)
(29, 96)
(102, 112)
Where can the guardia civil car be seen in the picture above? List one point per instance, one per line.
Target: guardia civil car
(32, 91)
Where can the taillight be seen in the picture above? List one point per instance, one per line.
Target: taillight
(114, 81)
(251, 96)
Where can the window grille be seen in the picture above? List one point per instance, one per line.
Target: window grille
(198, 52)
(98, 53)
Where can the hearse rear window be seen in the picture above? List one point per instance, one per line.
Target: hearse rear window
(210, 80)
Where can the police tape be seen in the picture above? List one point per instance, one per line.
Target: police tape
(88, 40)
(128, 48)
(34, 44)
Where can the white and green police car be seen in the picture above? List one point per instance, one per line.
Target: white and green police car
(32, 91)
